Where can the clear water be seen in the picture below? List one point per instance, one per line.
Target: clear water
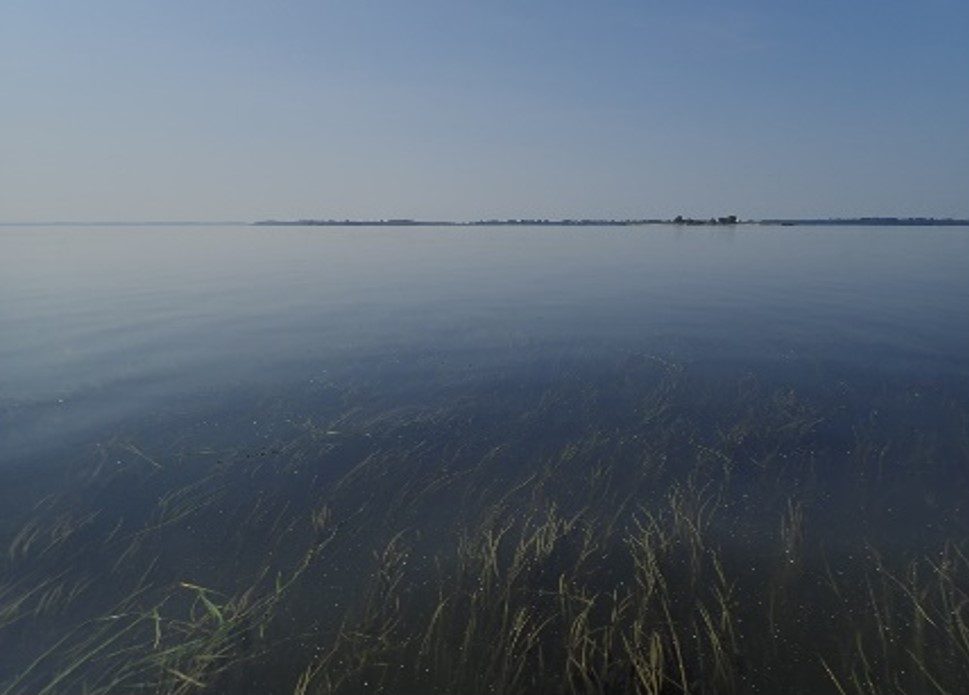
(804, 390)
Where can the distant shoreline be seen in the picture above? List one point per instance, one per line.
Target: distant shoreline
(728, 221)
(684, 221)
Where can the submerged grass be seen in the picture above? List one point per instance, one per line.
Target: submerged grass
(631, 530)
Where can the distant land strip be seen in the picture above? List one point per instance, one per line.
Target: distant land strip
(727, 220)
(678, 220)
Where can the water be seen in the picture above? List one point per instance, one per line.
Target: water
(337, 421)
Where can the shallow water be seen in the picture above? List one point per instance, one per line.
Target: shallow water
(227, 407)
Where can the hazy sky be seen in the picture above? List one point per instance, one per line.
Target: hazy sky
(191, 109)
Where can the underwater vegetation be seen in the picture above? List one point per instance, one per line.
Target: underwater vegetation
(607, 526)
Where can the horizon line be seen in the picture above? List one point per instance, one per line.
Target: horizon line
(401, 221)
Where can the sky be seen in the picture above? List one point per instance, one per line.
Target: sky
(444, 109)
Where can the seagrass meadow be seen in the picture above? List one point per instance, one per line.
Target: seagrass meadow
(492, 461)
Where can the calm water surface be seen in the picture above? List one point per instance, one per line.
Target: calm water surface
(107, 326)
(199, 406)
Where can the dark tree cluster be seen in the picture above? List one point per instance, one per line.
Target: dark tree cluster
(727, 219)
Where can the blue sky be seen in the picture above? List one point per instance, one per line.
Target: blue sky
(244, 110)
